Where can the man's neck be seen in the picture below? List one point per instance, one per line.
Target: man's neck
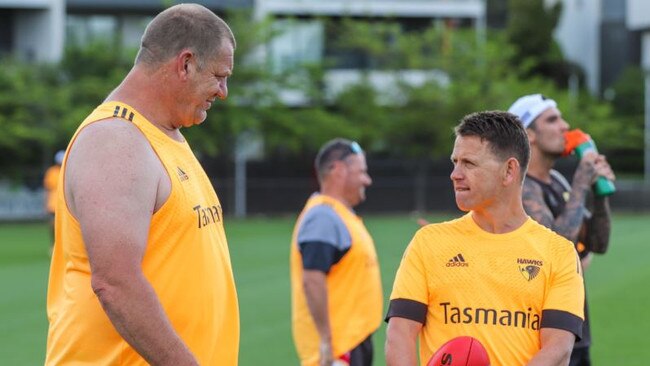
(540, 166)
(138, 91)
(504, 216)
(336, 194)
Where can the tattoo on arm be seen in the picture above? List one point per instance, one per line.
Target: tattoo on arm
(533, 200)
(566, 224)
(599, 226)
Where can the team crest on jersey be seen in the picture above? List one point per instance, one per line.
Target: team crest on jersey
(529, 272)
(181, 174)
(529, 268)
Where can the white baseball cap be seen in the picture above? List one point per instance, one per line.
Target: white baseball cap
(529, 107)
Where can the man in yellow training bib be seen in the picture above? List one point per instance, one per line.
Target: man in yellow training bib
(494, 274)
(335, 283)
(141, 271)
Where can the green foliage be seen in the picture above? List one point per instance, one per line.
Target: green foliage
(41, 105)
(530, 31)
(31, 104)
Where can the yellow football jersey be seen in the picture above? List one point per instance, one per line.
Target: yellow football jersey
(50, 182)
(459, 280)
(355, 297)
(186, 261)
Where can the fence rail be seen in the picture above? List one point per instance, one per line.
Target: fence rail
(276, 196)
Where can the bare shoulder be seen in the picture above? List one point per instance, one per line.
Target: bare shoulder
(533, 201)
(109, 159)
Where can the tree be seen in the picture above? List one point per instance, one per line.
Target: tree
(536, 53)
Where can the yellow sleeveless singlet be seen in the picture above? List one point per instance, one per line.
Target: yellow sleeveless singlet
(186, 261)
(355, 297)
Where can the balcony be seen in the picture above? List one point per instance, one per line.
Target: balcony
(375, 8)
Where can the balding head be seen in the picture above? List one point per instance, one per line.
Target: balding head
(183, 26)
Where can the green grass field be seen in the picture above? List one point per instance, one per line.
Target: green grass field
(617, 288)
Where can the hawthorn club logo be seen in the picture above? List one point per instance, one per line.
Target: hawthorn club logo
(529, 268)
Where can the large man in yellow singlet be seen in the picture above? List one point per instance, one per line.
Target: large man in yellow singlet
(335, 283)
(494, 274)
(141, 271)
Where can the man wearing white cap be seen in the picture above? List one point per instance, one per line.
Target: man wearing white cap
(571, 210)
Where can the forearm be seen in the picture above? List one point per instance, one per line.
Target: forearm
(135, 311)
(401, 352)
(315, 287)
(556, 348)
(599, 226)
(401, 342)
(550, 357)
(569, 222)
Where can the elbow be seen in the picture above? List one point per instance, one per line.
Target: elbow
(108, 287)
(102, 289)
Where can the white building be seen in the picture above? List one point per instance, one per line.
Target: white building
(638, 19)
(594, 35)
(305, 37)
(32, 30)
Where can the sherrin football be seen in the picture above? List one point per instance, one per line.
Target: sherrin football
(460, 351)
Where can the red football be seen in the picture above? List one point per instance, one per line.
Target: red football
(460, 351)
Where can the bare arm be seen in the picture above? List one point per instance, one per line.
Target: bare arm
(112, 187)
(315, 285)
(568, 223)
(401, 342)
(556, 348)
(599, 226)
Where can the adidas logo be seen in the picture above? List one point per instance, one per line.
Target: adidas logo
(181, 174)
(457, 261)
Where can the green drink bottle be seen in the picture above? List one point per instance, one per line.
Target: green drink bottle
(603, 186)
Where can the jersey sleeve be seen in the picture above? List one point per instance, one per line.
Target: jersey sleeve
(409, 298)
(564, 304)
(323, 238)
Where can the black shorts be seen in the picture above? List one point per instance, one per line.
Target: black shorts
(361, 355)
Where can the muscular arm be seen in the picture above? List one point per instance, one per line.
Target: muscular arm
(315, 284)
(568, 223)
(112, 188)
(599, 226)
(401, 342)
(556, 348)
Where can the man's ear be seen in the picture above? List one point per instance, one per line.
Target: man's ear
(184, 63)
(531, 135)
(511, 173)
(338, 168)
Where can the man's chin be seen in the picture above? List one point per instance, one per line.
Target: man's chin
(461, 206)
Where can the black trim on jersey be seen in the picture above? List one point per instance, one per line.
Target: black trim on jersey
(562, 320)
(408, 309)
(321, 256)
(116, 113)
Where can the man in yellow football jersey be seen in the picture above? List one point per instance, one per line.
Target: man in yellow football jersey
(571, 210)
(335, 282)
(494, 274)
(141, 272)
(50, 183)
